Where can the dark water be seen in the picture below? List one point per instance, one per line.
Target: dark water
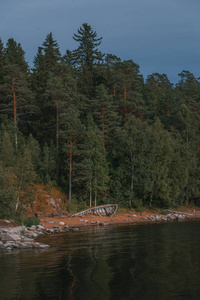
(157, 261)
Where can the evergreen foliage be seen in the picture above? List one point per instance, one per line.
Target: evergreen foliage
(92, 126)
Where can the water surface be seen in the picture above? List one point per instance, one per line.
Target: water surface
(152, 261)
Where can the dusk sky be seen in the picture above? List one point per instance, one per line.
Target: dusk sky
(160, 35)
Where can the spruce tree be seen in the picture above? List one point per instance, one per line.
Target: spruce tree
(85, 57)
(46, 65)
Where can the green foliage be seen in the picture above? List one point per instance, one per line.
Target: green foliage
(28, 222)
(93, 127)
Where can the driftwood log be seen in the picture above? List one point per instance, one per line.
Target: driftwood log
(180, 212)
(103, 210)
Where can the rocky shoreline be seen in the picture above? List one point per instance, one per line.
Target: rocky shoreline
(23, 238)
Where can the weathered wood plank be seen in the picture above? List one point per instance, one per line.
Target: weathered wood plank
(103, 210)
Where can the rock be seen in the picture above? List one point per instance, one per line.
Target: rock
(34, 235)
(157, 217)
(32, 228)
(7, 221)
(40, 227)
(61, 223)
(10, 237)
(75, 229)
(142, 218)
(17, 230)
(180, 218)
(26, 239)
(43, 246)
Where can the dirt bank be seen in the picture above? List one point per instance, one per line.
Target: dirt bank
(128, 217)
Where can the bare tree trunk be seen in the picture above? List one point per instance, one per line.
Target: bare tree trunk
(70, 169)
(90, 193)
(103, 125)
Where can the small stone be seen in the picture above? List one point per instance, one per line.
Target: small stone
(61, 223)
(7, 221)
(180, 218)
(75, 229)
(40, 227)
(44, 246)
(34, 235)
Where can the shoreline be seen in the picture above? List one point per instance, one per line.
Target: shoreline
(22, 237)
(129, 217)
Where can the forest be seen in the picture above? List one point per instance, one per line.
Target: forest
(89, 124)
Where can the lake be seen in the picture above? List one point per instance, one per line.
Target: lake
(145, 261)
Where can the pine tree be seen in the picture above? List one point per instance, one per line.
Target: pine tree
(18, 99)
(128, 83)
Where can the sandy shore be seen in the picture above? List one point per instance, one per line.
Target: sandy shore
(129, 217)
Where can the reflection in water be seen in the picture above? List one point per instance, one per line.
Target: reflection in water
(157, 261)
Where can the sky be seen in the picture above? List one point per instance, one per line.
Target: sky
(160, 35)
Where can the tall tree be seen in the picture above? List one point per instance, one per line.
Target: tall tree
(85, 57)
(96, 165)
(160, 100)
(105, 113)
(46, 64)
(128, 89)
(18, 99)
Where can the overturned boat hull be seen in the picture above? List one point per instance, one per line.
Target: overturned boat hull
(103, 210)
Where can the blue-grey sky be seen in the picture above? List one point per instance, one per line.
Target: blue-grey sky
(160, 35)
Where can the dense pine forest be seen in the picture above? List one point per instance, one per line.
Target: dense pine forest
(90, 125)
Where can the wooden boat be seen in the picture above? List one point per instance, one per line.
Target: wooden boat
(103, 210)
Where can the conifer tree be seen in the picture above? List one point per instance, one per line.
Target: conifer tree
(160, 100)
(128, 83)
(18, 99)
(105, 113)
(46, 65)
(85, 57)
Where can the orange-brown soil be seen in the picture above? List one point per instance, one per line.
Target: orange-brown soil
(129, 217)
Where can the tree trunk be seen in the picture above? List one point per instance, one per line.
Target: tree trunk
(70, 169)
(15, 111)
(90, 193)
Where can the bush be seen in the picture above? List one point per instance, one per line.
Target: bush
(28, 222)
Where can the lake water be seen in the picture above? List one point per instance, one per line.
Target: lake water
(153, 261)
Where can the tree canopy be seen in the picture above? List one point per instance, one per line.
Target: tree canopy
(91, 125)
